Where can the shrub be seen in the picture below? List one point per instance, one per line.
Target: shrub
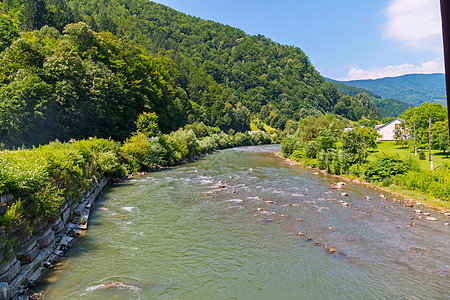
(421, 155)
(184, 144)
(136, 148)
(297, 155)
(288, 145)
(242, 139)
(109, 164)
(13, 214)
(259, 138)
(385, 166)
(310, 150)
(48, 200)
(22, 171)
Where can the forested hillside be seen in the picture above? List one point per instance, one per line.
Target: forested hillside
(61, 81)
(413, 89)
(386, 107)
(351, 90)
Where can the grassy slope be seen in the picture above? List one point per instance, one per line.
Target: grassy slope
(392, 148)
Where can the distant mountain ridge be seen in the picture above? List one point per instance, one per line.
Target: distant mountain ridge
(387, 107)
(414, 89)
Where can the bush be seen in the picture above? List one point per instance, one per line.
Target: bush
(260, 138)
(48, 200)
(310, 150)
(184, 144)
(22, 171)
(12, 215)
(435, 183)
(110, 165)
(385, 166)
(421, 155)
(242, 139)
(297, 155)
(288, 145)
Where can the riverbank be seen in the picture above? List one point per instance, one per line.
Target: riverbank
(39, 247)
(410, 199)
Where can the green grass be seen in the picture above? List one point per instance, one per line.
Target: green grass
(392, 148)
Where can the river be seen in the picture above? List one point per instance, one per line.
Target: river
(209, 230)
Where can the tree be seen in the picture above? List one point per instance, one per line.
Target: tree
(354, 143)
(325, 140)
(444, 142)
(8, 32)
(147, 123)
(421, 115)
(33, 14)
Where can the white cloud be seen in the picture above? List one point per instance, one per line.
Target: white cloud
(432, 66)
(416, 23)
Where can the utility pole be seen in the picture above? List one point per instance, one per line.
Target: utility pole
(429, 144)
(415, 146)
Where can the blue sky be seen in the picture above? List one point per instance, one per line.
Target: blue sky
(347, 39)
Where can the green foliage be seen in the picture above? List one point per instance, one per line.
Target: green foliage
(355, 108)
(310, 150)
(385, 166)
(22, 171)
(325, 140)
(420, 115)
(435, 183)
(13, 214)
(48, 200)
(297, 155)
(109, 164)
(289, 145)
(421, 155)
(351, 90)
(391, 107)
(75, 82)
(355, 144)
(444, 142)
(8, 32)
(147, 123)
(184, 144)
(260, 138)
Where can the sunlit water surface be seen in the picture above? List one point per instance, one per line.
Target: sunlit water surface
(195, 232)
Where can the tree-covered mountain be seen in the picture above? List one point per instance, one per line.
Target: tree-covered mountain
(134, 56)
(386, 107)
(414, 89)
(351, 90)
(391, 107)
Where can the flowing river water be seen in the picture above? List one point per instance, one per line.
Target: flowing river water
(197, 231)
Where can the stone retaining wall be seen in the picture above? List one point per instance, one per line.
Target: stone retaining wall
(43, 243)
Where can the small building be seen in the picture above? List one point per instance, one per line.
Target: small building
(256, 131)
(387, 131)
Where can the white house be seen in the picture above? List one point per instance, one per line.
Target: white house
(387, 131)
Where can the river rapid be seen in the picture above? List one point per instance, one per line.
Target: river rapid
(227, 227)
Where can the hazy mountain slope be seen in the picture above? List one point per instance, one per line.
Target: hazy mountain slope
(414, 89)
(387, 107)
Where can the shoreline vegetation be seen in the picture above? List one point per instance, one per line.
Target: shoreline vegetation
(51, 173)
(408, 196)
(330, 145)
